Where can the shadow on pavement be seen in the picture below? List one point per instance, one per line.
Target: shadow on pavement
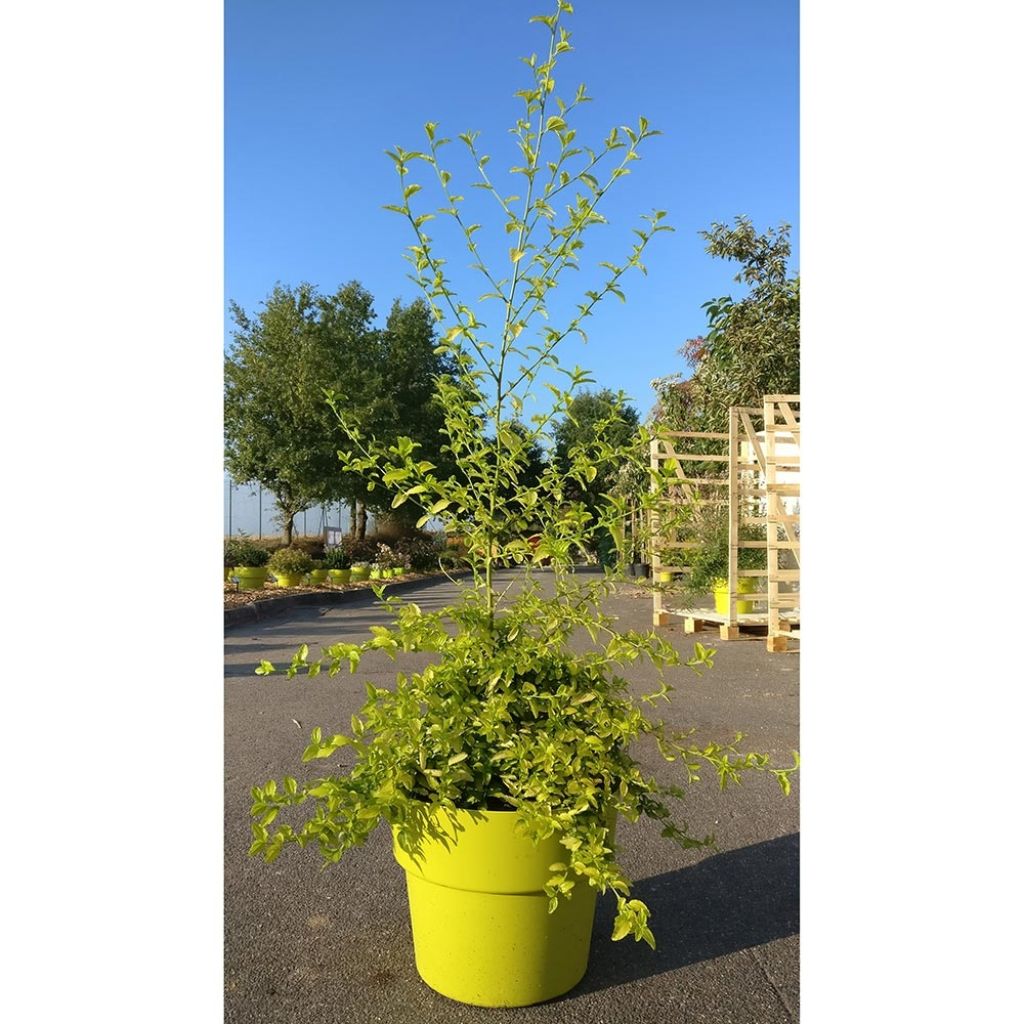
(727, 902)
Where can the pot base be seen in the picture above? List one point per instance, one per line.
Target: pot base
(497, 949)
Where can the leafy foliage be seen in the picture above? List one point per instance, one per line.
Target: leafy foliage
(707, 524)
(337, 558)
(506, 715)
(279, 430)
(290, 561)
(752, 345)
(245, 553)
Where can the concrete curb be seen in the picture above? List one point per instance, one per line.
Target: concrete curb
(275, 607)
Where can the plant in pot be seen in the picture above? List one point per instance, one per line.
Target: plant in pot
(709, 560)
(250, 563)
(318, 574)
(338, 564)
(505, 768)
(289, 566)
(360, 571)
(229, 559)
(386, 561)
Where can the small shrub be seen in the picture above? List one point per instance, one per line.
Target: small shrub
(387, 557)
(290, 561)
(313, 546)
(246, 554)
(419, 553)
(337, 558)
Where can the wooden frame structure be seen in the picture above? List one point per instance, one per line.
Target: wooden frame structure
(782, 481)
(755, 481)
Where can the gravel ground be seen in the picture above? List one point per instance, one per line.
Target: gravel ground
(311, 946)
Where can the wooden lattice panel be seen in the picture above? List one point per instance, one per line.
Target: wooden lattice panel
(757, 484)
(782, 483)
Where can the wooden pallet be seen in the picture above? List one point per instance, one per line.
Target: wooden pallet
(695, 619)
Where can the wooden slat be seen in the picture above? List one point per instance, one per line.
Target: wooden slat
(752, 438)
(709, 436)
(700, 458)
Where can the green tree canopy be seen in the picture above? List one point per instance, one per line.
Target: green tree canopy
(279, 430)
(752, 344)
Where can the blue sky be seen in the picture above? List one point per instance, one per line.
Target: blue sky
(316, 91)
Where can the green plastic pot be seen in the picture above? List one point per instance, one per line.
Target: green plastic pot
(360, 573)
(339, 577)
(665, 577)
(398, 571)
(318, 577)
(481, 929)
(744, 585)
(289, 579)
(227, 574)
(250, 577)
(375, 574)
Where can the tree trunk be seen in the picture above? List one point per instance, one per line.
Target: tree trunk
(288, 522)
(352, 519)
(361, 520)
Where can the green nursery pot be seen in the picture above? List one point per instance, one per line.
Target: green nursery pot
(227, 574)
(665, 577)
(360, 573)
(398, 571)
(339, 576)
(251, 578)
(481, 929)
(317, 577)
(289, 579)
(375, 574)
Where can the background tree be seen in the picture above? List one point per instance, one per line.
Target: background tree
(591, 415)
(580, 425)
(409, 403)
(278, 430)
(752, 345)
(358, 372)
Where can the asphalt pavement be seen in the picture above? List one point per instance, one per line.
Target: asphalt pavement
(306, 945)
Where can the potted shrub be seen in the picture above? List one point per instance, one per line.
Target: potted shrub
(388, 561)
(709, 561)
(504, 768)
(250, 563)
(289, 566)
(318, 574)
(229, 559)
(360, 571)
(338, 564)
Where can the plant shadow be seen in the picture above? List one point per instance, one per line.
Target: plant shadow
(727, 902)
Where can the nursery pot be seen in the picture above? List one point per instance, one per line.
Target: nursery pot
(480, 923)
(641, 569)
(744, 585)
(289, 579)
(339, 576)
(251, 578)
(375, 574)
(317, 576)
(360, 573)
(665, 577)
(398, 570)
(227, 574)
